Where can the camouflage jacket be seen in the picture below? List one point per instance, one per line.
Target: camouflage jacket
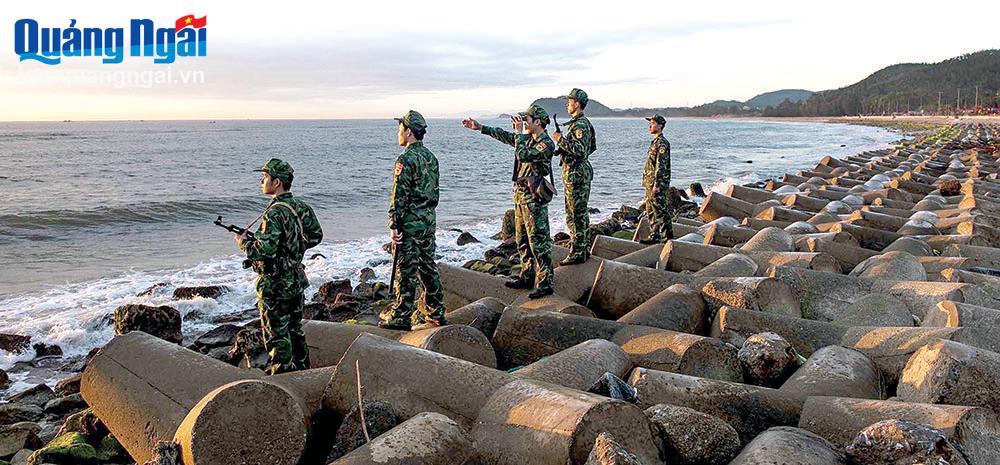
(579, 140)
(657, 171)
(283, 237)
(414, 190)
(533, 157)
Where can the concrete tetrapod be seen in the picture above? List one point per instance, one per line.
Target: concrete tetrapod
(524, 337)
(677, 308)
(530, 421)
(148, 390)
(785, 445)
(839, 419)
(580, 366)
(947, 372)
(482, 314)
(427, 439)
(734, 325)
(412, 380)
(462, 287)
(613, 247)
(979, 324)
(747, 408)
(328, 341)
(835, 371)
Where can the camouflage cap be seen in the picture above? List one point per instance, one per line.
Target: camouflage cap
(278, 169)
(538, 113)
(659, 119)
(413, 120)
(578, 95)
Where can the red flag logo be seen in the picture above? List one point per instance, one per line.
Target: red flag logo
(190, 20)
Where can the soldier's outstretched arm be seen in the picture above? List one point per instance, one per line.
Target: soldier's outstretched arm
(264, 244)
(577, 142)
(501, 135)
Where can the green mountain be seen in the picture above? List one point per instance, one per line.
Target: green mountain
(558, 106)
(914, 87)
(773, 99)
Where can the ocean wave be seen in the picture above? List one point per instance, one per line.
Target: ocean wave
(23, 224)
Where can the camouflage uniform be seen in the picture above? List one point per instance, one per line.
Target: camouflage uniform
(412, 212)
(288, 227)
(575, 148)
(659, 207)
(531, 218)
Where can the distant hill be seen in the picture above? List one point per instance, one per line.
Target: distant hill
(558, 106)
(914, 86)
(773, 99)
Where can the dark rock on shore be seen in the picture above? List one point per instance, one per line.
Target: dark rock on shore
(46, 350)
(152, 289)
(379, 418)
(14, 343)
(84, 422)
(466, 238)
(237, 316)
(37, 395)
(627, 214)
(4, 380)
(18, 436)
(693, 437)
(208, 292)
(328, 291)
(767, 359)
(69, 385)
(899, 441)
(366, 275)
(64, 405)
(163, 322)
(17, 412)
(506, 226)
(222, 335)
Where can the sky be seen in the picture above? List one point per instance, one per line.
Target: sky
(375, 59)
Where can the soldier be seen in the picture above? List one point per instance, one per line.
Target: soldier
(533, 161)
(575, 149)
(288, 227)
(656, 181)
(412, 225)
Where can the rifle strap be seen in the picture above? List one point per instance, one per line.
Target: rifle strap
(298, 220)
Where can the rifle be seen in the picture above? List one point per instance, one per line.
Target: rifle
(554, 120)
(237, 230)
(558, 151)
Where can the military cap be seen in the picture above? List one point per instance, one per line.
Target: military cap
(538, 113)
(659, 119)
(278, 169)
(578, 95)
(413, 120)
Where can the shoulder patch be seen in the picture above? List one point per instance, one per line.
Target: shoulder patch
(578, 133)
(399, 168)
(540, 146)
(663, 150)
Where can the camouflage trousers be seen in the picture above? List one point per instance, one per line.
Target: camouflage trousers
(281, 324)
(660, 211)
(414, 266)
(534, 243)
(576, 192)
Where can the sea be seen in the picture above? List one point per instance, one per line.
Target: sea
(93, 213)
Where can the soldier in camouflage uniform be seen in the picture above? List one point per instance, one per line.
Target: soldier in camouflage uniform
(288, 227)
(575, 149)
(533, 157)
(412, 223)
(656, 181)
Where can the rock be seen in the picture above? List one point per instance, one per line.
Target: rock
(364, 291)
(627, 214)
(100, 322)
(317, 255)
(902, 442)
(21, 457)
(607, 451)
(84, 421)
(37, 395)
(697, 190)
(481, 266)
(110, 450)
(18, 436)
(876, 310)
(561, 236)
(68, 449)
(152, 289)
(506, 226)
(47, 350)
(366, 275)
(14, 343)
(63, 405)
(767, 359)
(379, 418)
(69, 385)
(166, 453)
(236, 317)
(609, 385)
(222, 354)
(222, 335)
(13, 413)
(163, 322)
(314, 311)
(607, 227)
(4, 380)
(466, 238)
(194, 315)
(692, 437)
(250, 349)
(593, 210)
(208, 292)
(328, 291)
(950, 187)
(504, 250)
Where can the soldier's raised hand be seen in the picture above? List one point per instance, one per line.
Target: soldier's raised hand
(472, 124)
